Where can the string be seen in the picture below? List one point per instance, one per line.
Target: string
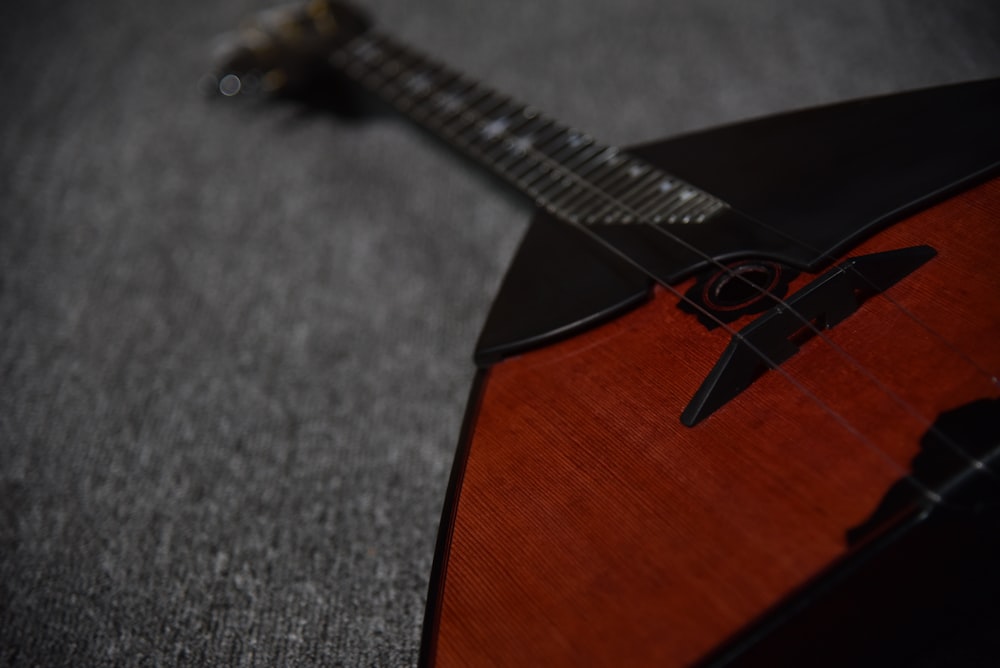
(478, 118)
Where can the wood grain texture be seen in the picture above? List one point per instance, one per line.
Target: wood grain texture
(592, 528)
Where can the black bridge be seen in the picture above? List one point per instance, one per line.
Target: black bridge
(777, 335)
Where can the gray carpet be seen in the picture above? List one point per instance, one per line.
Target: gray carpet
(235, 339)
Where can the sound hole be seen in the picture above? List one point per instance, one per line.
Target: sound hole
(743, 285)
(742, 288)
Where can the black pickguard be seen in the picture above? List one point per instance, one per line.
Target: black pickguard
(826, 177)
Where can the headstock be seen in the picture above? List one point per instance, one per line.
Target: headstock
(284, 50)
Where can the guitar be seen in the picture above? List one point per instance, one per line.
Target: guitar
(737, 399)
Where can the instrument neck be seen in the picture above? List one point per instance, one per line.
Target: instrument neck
(561, 169)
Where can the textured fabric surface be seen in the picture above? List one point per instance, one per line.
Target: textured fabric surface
(235, 340)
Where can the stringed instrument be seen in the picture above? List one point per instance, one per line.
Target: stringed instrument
(738, 397)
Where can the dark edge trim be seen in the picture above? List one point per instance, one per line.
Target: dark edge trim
(796, 602)
(435, 588)
(486, 356)
(908, 210)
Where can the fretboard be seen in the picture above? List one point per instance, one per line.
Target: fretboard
(561, 169)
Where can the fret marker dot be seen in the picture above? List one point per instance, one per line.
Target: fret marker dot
(418, 83)
(449, 102)
(494, 128)
(520, 145)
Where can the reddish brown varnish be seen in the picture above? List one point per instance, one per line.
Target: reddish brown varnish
(592, 528)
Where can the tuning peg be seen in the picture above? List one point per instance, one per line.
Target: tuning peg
(283, 50)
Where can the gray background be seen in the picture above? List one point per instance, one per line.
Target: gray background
(235, 341)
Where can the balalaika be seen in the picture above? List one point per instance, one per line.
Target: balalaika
(737, 400)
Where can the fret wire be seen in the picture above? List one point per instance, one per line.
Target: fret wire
(534, 125)
(464, 118)
(425, 107)
(552, 142)
(563, 202)
(542, 180)
(422, 78)
(527, 131)
(617, 183)
(551, 134)
(490, 103)
(578, 156)
(681, 203)
(685, 196)
(569, 138)
(656, 203)
(568, 149)
(415, 94)
(481, 96)
(576, 190)
(545, 189)
(597, 156)
(581, 206)
(401, 53)
(564, 192)
(543, 170)
(684, 211)
(608, 214)
(519, 169)
(594, 167)
(620, 173)
(548, 132)
(653, 188)
(645, 199)
(539, 171)
(671, 193)
(659, 203)
(600, 169)
(598, 207)
(645, 186)
(555, 187)
(588, 205)
(493, 123)
(519, 124)
(456, 93)
(510, 152)
(564, 173)
(523, 168)
(520, 121)
(369, 68)
(513, 162)
(649, 180)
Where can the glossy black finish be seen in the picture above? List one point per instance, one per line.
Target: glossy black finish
(558, 284)
(803, 186)
(830, 176)
(929, 588)
(957, 461)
